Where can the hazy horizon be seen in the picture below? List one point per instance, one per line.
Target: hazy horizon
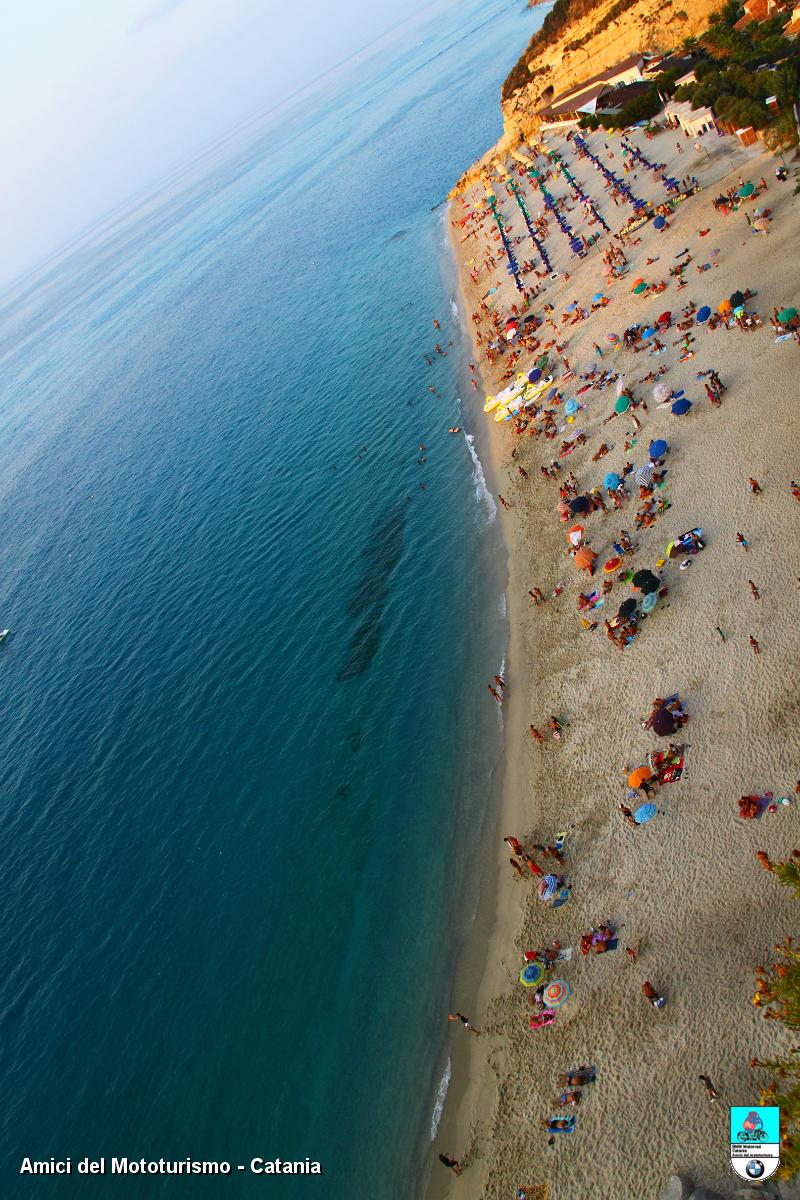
(108, 99)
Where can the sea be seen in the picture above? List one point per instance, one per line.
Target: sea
(247, 752)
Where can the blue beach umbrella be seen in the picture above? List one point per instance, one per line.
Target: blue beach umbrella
(650, 601)
(645, 813)
(535, 375)
(658, 448)
(597, 297)
(648, 333)
(551, 395)
(571, 407)
(531, 974)
(612, 480)
(659, 222)
(703, 314)
(681, 407)
(571, 307)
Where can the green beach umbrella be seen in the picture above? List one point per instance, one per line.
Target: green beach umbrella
(640, 287)
(787, 314)
(623, 403)
(747, 190)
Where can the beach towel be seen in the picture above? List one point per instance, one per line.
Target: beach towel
(546, 1018)
(666, 772)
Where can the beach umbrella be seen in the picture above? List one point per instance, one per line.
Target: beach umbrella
(623, 403)
(650, 601)
(627, 607)
(663, 723)
(659, 222)
(681, 407)
(648, 332)
(612, 480)
(640, 287)
(787, 314)
(747, 190)
(646, 581)
(535, 375)
(547, 887)
(638, 777)
(761, 224)
(725, 307)
(571, 407)
(531, 974)
(584, 558)
(658, 448)
(597, 297)
(737, 299)
(551, 395)
(664, 319)
(737, 312)
(556, 993)
(579, 505)
(575, 535)
(636, 282)
(541, 361)
(612, 565)
(571, 307)
(644, 813)
(644, 476)
(703, 314)
(612, 338)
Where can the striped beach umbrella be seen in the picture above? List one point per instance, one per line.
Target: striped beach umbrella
(644, 476)
(547, 887)
(556, 993)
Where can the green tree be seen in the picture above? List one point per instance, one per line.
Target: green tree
(778, 994)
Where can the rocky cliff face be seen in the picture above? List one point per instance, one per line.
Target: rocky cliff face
(587, 46)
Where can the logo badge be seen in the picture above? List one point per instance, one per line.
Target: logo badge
(755, 1141)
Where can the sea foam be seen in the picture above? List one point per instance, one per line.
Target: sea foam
(441, 1092)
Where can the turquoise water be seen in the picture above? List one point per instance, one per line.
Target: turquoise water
(246, 742)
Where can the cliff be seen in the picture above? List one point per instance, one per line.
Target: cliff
(593, 38)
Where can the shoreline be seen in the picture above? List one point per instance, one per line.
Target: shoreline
(490, 1115)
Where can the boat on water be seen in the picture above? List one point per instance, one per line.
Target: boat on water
(4, 634)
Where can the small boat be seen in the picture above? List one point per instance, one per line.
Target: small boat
(4, 634)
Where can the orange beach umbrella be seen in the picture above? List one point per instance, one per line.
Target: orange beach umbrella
(638, 777)
(585, 558)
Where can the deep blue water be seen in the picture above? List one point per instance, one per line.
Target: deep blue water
(246, 741)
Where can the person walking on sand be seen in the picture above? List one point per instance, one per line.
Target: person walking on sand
(459, 1016)
(631, 953)
(754, 590)
(448, 1161)
(504, 502)
(627, 814)
(534, 732)
(755, 487)
(555, 727)
(741, 539)
(513, 844)
(754, 646)
(517, 868)
(711, 1091)
(537, 595)
(535, 869)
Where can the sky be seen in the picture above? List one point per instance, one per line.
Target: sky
(100, 97)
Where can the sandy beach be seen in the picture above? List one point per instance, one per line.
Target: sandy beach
(685, 889)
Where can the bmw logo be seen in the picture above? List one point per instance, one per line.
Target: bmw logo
(755, 1168)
